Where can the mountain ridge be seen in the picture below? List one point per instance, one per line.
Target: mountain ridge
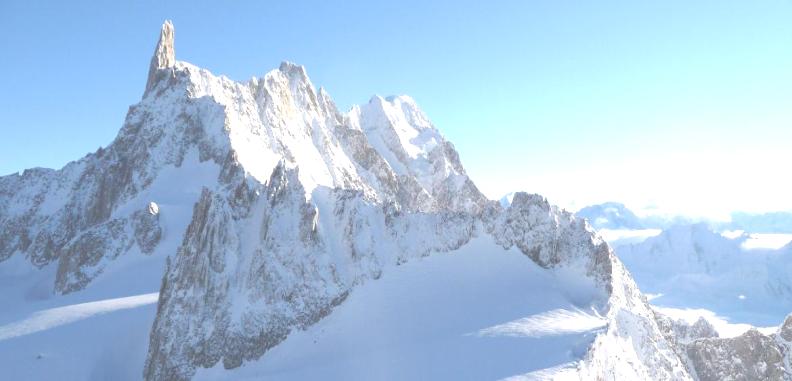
(271, 207)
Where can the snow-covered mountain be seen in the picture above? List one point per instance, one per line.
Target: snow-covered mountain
(290, 240)
(617, 216)
(692, 266)
(612, 215)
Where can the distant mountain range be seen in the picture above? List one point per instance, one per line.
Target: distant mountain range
(728, 268)
(613, 215)
(616, 216)
(690, 266)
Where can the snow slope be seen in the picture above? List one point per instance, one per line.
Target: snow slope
(98, 341)
(97, 333)
(416, 323)
(54, 317)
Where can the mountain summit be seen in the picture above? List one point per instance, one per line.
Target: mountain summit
(164, 55)
(305, 242)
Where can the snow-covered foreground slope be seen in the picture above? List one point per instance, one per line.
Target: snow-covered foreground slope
(54, 317)
(416, 322)
(98, 333)
(99, 340)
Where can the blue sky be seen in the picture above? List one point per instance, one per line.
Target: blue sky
(676, 105)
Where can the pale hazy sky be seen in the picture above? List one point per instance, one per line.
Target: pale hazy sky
(680, 105)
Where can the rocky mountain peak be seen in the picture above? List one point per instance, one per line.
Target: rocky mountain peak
(292, 69)
(785, 331)
(164, 55)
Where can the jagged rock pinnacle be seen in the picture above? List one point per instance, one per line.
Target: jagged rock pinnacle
(164, 55)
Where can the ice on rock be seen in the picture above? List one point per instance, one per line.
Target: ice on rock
(153, 208)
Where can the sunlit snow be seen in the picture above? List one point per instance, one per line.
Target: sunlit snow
(416, 323)
(53, 317)
(771, 241)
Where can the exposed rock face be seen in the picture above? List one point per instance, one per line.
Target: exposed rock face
(680, 333)
(81, 258)
(785, 331)
(164, 54)
(751, 356)
(550, 237)
(148, 231)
